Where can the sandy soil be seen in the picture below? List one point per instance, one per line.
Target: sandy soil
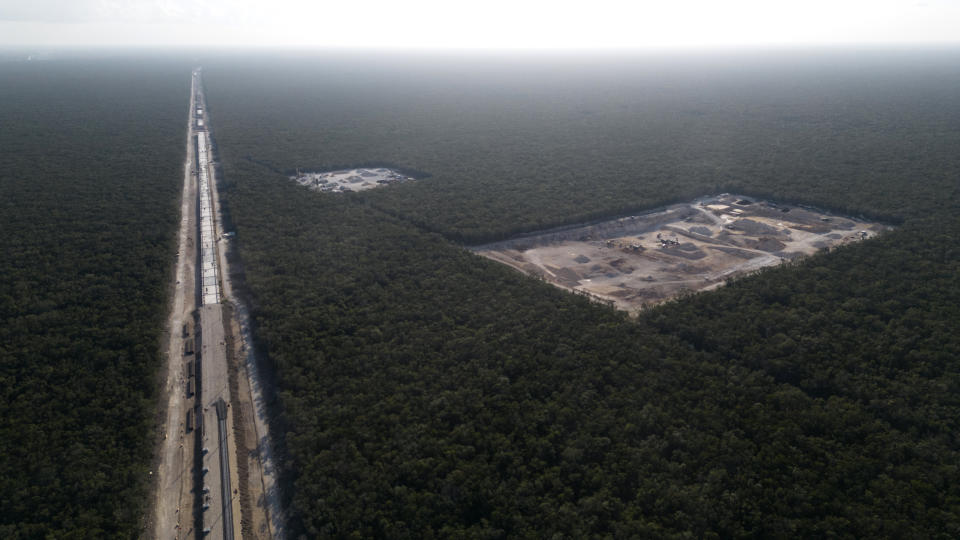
(259, 489)
(172, 514)
(639, 261)
(264, 516)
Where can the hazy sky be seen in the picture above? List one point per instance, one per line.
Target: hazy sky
(479, 23)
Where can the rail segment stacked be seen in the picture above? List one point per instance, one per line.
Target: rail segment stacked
(210, 289)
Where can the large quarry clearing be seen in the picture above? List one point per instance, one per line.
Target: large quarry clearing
(350, 179)
(638, 261)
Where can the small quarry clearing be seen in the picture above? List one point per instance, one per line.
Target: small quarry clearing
(350, 179)
(638, 261)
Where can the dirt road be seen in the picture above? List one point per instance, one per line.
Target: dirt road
(172, 516)
(268, 518)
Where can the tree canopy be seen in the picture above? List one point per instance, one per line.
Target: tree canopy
(91, 155)
(427, 392)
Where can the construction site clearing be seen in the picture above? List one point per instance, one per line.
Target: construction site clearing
(639, 261)
(349, 179)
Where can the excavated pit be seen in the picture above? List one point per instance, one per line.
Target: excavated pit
(638, 261)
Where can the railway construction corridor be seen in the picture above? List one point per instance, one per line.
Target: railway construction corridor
(216, 424)
(219, 507)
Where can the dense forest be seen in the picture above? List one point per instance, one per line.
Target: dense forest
(91, 161)
(427, 392)
(512, 146)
